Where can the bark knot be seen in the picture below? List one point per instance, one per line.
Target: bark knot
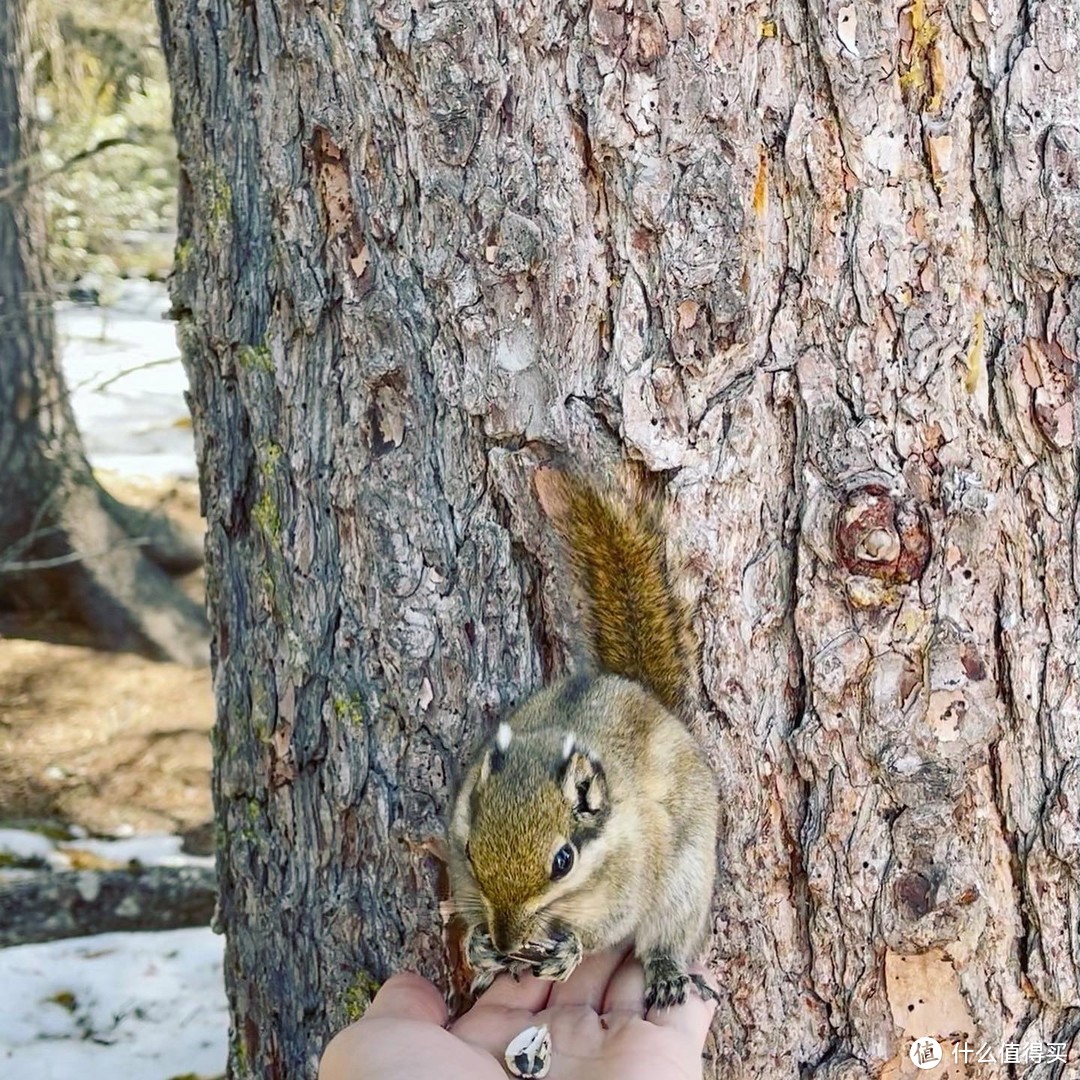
(879, 536)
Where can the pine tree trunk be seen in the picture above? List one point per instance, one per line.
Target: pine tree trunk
(66, 547)
(819, 267)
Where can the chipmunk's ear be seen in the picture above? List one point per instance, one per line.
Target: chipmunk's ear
(582, 779)
(495, 758)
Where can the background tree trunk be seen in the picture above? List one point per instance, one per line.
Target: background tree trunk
(816, 263)
(65, 545)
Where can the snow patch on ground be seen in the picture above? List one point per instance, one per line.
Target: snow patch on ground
(137, 1006)
(149, 850)
(31, 847)
(127, 384)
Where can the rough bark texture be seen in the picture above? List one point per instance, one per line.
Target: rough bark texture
(65, 546)
(50, 906)
(815, 263)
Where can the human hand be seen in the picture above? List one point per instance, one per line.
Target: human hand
(599, 1029)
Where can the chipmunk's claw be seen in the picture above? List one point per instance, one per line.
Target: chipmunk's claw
(667, 984)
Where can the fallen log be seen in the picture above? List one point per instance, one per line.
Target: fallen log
(48, 906)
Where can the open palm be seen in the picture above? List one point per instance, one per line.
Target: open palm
(599, 1030)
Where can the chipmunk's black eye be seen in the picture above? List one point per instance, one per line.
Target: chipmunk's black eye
(563, 862)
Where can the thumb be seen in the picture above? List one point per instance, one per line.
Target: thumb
(408, 996)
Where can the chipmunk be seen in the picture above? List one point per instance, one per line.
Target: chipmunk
(591, 815)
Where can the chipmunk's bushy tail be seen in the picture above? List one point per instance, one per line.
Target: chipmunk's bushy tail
(637, 623)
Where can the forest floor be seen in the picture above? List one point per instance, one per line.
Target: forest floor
(105, 756)
(108, 745)
(112, 742)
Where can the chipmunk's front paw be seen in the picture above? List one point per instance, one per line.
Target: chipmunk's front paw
(485, 960)
(666, 983)
(559, 958)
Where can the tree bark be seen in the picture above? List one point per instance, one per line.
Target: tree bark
(818, 266)
(61, 547)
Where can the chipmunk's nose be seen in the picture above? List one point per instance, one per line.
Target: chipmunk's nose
(508, 931)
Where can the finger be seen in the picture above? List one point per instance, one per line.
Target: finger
(501, 1012)
(527, 992)
(694, 1016)
(586, 986)
(626, 990)
(491, 1030)
(408, 996)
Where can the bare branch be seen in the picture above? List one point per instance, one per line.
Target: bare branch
(124, 372)
(71, 557)
(89, 152)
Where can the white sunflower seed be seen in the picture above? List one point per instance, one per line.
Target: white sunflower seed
(529, 1054)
